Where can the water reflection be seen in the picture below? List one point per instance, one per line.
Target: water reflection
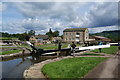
(14, 68)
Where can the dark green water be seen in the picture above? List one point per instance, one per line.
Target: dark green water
(15, 68)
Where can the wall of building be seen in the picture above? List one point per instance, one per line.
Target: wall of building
(86, 35)
(74, 36)
(32, 39)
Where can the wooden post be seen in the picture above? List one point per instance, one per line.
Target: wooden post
(23, 54)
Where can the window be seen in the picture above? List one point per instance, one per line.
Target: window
(77, 38)
(77, 33)
(66, 33)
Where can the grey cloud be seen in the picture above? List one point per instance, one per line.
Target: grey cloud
(16, 26)
(105, 14)
(65, 11)
(100, 29)
(2, 7)
(63, 15)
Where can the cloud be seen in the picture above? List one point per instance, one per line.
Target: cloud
(54, 10)
(24, 25)
(102, 14)
(60, 15)
(2, 7)
(100, 29)
(60, 0)
(40, 26)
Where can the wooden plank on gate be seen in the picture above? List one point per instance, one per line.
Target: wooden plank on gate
(94, 47)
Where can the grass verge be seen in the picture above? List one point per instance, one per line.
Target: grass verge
(9, 52)
(91, 54)
(8, 38)
(111, 50)
(52, 46)
(76, 67)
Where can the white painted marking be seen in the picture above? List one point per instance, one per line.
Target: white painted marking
(49, 53)
(113, 43)
(94, 47)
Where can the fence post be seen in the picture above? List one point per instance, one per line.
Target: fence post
(23, 52)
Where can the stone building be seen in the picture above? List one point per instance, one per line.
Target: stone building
(56, 39)
(75, 35)
(39, 39)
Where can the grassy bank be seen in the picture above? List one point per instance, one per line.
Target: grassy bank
(6, 47)
(8, 38)
(91, 54)
(76, 67)
(9, 52)
(54, 46)
(111, 50)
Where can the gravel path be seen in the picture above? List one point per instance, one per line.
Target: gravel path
(108, 69)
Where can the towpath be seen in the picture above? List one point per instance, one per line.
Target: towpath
(107, 70)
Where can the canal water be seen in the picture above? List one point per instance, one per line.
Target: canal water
(15, 68)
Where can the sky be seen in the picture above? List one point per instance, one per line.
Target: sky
(19, 17)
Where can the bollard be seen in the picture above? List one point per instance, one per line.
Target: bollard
(58, 54)
(23, 52)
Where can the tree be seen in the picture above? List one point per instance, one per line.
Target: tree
(50, 33)
(23, 36)
(56, 33)
(61, 36)
(31, 32)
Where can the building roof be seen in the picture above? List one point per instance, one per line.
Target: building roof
(74, 29)
(101, 37)
(41, 36)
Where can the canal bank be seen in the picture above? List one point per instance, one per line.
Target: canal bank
(34, 71)
(14, 55)
(14, 68)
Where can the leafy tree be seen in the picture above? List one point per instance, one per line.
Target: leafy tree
(23, 36)
(50, 31)
(56, 34)
(52, 34)
(5, 34)
(61, 36)
(31, 32)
